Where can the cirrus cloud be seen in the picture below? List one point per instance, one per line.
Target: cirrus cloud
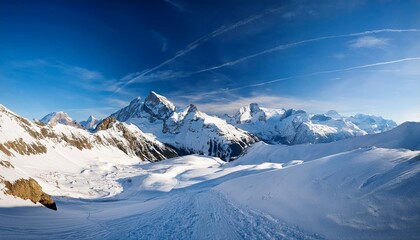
(368, 42)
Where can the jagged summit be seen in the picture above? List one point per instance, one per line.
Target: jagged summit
(158, 106)
(187, 129)
(55, 118)
(333, 114)
(250, 113)
(90, 123)
(372, 124)
(154, 107)
(297, 126)
(192, 108)
(254, 107)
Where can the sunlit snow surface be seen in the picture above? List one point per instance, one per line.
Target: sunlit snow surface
(360, 188)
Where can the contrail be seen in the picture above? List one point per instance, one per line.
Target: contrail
(291, 45)
(193, 45)
(325, 72)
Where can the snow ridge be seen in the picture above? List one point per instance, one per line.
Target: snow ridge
(187, 129)
(297, 126)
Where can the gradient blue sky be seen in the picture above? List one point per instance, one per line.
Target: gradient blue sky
(93, 57)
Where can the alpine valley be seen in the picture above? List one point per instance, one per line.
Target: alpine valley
(153, 170)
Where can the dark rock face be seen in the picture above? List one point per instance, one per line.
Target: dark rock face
(30, 189)
(133, 110)
(320, 117)
(106, 123)
(136, 143)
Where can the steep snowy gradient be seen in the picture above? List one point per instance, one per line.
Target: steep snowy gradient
(364, 187)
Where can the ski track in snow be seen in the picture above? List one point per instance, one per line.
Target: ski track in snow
(203, 215)
(189, 213)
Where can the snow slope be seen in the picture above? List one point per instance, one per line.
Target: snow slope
(50, 154)
(368, 193)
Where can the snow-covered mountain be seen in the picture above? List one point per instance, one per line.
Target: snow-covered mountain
(90, 123)
(297, 126)
(55, 118)
(187, 129)
(372, 124)
(20, 137)
(364, 187)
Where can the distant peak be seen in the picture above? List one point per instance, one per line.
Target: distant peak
(58, 117)
(192, 108)
(254, 107)
(333, 114)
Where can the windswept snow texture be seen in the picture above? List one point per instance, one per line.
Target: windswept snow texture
(297, 127)
(359, 188)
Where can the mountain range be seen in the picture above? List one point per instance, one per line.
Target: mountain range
(189, 130)
(153, 170)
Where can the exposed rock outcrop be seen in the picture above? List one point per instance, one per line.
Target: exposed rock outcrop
(29, 189)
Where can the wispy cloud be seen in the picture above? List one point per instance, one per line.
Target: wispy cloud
(325, 72)
(162, 39)
(117, 102)
(79, 73)
(153, 77)
(295, 44)
(177, 5)
(368, 42)
(198, 42)
(232, 105)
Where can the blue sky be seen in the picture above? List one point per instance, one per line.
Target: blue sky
(93, 57)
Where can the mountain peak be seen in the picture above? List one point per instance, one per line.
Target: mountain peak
(158, 106)
(55, 118)
(251, 113)
(192, 108)
(135, 100)
(254, 107)
(3, 108)
(333, 114)
(90, 123)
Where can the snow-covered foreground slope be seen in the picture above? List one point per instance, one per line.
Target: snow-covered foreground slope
(368, 193)
(365, 189)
